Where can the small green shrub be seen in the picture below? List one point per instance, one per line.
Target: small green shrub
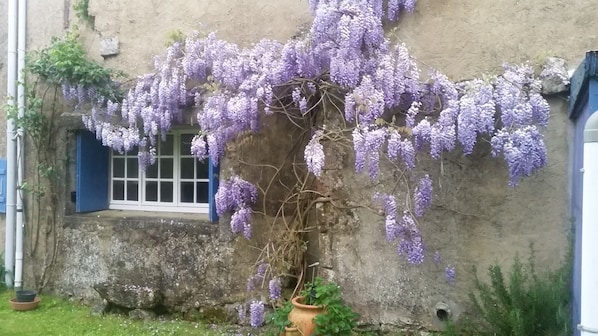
(280, 317)
(525, 303)
(338, 318)
(81, 9)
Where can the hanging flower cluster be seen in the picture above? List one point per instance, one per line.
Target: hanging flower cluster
(237, 195)
(345, 46)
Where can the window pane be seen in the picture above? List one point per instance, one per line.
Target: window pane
(186, 143)
(152, 171)
(118, 167)
(132, 168)
(166, 168)
(132, 191)
(166, 192)
(203, 169)
(187, 192)
(118, 190)
(187, 168)
(151, 191)
(202, 192)
(167, 147)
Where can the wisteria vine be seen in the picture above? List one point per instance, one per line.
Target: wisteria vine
(391, 109)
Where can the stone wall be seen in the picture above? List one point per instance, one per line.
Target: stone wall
(187, 261)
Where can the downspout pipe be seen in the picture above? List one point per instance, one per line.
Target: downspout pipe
(20, 159)
(589, 219)
(11, 149)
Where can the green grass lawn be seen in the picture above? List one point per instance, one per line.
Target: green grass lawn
(60, 317)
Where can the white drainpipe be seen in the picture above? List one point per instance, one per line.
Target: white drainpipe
(22, 44)
(589, 219)
(11, 149)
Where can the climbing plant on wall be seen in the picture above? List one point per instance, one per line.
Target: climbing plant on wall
(343, 81)
(47, 71)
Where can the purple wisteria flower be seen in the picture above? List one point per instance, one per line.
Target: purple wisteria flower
(251, 282)
(237, 195)
(450, 274)
(437, 257)
(389, 206)
(422, 196)
(422, 134)
(275, 287)
(242, 313)
(374, 139)
(523, 149)
(256, 313)
(241, 222)
(314, 154)
(261, 269)
(234, 193)
(411, 114)
(394, 145)
(411, 244)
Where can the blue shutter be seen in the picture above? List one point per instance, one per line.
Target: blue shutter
(92, 181)
(214, 172)
(2, 185)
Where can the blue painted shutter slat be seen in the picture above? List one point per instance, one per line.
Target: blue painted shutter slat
(214, 172)
(92, 180)
(2, 185)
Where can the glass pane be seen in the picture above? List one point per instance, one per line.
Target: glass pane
(152, 171)
(203, 169)
(166, 168)
(166, 192)
(132, 168)
(186, 143)
(202, 192)
(133, 151)
(116, 153)
(132, 191)
(151, 191)
(187, 192)
(118, 167)
(187, 168)
(118, 190)
(167, 147)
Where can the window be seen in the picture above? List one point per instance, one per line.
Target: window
(177, 182)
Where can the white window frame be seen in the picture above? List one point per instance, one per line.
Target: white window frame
(176, 205)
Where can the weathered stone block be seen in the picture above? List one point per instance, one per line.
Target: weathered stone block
(141, 314)
(554, 76)
(109, 46)
(129, 296)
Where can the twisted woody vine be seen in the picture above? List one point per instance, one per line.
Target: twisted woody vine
(343, 66)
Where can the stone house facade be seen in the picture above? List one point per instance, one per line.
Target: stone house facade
(192, 262)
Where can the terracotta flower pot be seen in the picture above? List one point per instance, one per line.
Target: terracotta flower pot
(303, 315)
(24, 306)
(291, 331)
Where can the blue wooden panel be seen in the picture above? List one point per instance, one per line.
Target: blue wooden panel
(214, 173)
(92, 180)
(580, 83)
(2, 185)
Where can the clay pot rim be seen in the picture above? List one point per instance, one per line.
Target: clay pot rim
(297, 303)
(17, 303)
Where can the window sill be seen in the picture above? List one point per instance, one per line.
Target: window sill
(143, 220)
